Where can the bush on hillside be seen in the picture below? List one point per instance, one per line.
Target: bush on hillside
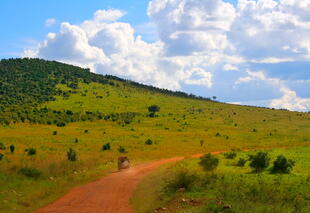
(31, 151)
(209, 162)
(241, 162)
(30, 172)
(153, 109)
(282, 165)
(71, 155)
(61, 124)
(148, 142)
(121, 149)
(106, 146)
(12, 148)
(260, 161)
(1, 156)
(230, 155)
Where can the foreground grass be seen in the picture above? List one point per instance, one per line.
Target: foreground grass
(183, 127)
(230, 185)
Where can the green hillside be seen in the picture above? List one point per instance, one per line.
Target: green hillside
(52, 107)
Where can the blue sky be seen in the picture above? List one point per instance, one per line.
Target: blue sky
(245, 52)
(23, 22)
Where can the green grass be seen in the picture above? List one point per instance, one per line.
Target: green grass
(230, 185)
(177, 131)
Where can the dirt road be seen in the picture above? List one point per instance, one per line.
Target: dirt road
(110, 194)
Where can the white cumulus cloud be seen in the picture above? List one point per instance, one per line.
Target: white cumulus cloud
(50, 22)
(291, 101)
(193, 42)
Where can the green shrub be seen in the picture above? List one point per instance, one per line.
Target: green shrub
(76, 140)
(55, 133)
(12, 148)
(153, 109)
(148, 142)
(230, 155)
(260, 161)
(31, 151)
(106, 147)
(182, 179)
(1, 156)
(241, 162)
(282, 165)
(2, 146)
(30, 172)
(61, 124)
(209, 162)
(71, 154)
(121, 149)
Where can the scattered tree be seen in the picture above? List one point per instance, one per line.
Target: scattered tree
(153, 109)
(209, 162)
(121, 149)
(282, 165)
(71, 154)
(31, 151)
(260, 161)
(12, 148)
(241, 162)
(106, 146)
(230, 155)
(148, 142)
(1, 156)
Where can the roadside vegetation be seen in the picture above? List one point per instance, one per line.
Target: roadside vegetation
(189, 187)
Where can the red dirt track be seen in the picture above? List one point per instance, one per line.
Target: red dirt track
(111, 194)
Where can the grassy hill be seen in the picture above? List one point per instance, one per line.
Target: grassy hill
(52, 107)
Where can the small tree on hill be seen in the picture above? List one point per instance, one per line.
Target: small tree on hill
(230, 155)
(153, 109)
(148, 142)
(106, 146)
(209, 162)
(12, 148)
(282, 165)
(241, 162)
(121, 149)
(71, 154)
(31, 151)
(260, 161)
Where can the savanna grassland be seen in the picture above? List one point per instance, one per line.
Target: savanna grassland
(55, 107)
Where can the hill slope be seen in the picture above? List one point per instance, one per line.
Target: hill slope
(51, 107)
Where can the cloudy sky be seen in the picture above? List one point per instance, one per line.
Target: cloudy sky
(254, 52)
